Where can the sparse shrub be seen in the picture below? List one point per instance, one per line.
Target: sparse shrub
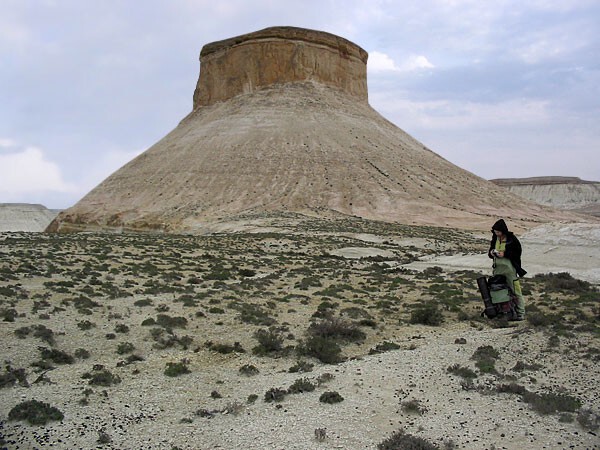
(248, 273)
(103, 438)
(143, 302)
(588, 419)
(427, 314)
(169, 322)
(413, 407)
(252, 398)
(485, 358)
(22, 332)
(12, 376)
(249, 370)
(253, 314)
(544, 403)
(225, 348)
(35, 412)
(125, 347)
(9, 315)
(301, 385)
(275, 395)
(563, 282)
(166, 339)
(325, 350)
(233, 408)
(57, 356)
(336, 329)
(385, 346)
(176, 369)
(325, 378)
(85, 325)
(320, 434)
(331, 397)
(82, 353)
(403, 441)
(269, 341)
(215, 395)
(301, 367)
(102, 377)
(461, 371)
(121, 328)
(43, 333)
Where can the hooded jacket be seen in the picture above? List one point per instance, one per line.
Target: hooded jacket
(513, 249)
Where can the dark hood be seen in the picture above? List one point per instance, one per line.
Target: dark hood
(500, 226)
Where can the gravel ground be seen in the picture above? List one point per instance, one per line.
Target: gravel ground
(146, 412)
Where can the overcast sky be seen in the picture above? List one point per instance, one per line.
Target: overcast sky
(501, 88)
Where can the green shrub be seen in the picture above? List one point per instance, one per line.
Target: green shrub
(12, 376)
(249, 370)
(275, 395)
(336, 329)
(385, 346)
(402, 441)
(325, 350)
(331, 397)
(269, 342)
(301, 367)
(563, 282)
(82, 353)
(427, 314)
(57, 356)
(413, 407)
(35, 412)
(588, 419)
(102, 377)
(125, 347)
(121, 328)
(460, 371)
(143, 302)
(9, 315)
(301, 385)
(176, 369)
(225, 348)
(85, 325)
(248, 273)
(544, 403)
(485, 358)
(169, 322)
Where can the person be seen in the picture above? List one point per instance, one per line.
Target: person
(505, 250)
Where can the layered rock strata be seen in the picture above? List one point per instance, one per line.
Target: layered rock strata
(569, 193)
(25, 217)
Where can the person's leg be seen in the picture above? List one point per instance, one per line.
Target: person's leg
(520, 300)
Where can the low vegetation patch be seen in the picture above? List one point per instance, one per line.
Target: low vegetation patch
(35, 412)
(401, 440)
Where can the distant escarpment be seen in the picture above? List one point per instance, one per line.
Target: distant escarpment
(569, 193)
(281, 124)
(25, 217)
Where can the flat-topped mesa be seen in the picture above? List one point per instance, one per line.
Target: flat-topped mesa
(278, 55)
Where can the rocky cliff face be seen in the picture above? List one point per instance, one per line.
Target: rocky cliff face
(25, 217)
(281, 124)
(279, 55)
(569, 193)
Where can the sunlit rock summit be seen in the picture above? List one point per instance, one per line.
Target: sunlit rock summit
(281, 123)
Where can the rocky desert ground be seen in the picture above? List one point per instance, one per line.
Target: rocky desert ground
(295, 333)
